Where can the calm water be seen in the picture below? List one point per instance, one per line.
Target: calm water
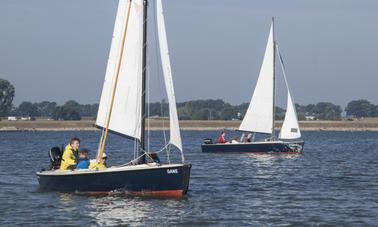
(335, 182)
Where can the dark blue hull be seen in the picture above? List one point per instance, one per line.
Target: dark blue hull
(166, 180)
(258, 147)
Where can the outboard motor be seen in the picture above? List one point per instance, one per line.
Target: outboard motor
(55, 155)
(208, 141)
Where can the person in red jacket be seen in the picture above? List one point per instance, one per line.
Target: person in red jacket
(221, 138)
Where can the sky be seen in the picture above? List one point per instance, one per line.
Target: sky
(57, 50)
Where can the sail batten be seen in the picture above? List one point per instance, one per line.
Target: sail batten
(175, 137)
(290, 126)
(126, 113)
(260, 113)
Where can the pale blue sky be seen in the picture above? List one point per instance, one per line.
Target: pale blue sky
(57, 49)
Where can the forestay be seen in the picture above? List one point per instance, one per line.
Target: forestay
(259, 116)
(125, 117)
(290, 126)
(175, 137)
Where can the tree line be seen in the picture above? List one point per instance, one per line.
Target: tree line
(209, 109)
(220, 110)
(70, 110)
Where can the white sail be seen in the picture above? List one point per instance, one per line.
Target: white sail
(290, 127)
(175, 137)
(259, 116)
(126, 115)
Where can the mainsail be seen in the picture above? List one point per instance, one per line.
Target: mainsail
(260, 114)
(175, 137)
(290, 126)
(125, 117)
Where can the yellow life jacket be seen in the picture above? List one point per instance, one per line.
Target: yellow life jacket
(97, 165)
(68, 158)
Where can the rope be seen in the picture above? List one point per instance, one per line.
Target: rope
(144, 154)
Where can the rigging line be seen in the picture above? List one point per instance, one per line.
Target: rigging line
(145, 153)
(159, 71)
(168, 154)
(106, 128)
(284, 74)
(148, 106)
(274, 81)
(135, 147)
(282, 67)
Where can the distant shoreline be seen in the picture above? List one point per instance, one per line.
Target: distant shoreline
(369, 124)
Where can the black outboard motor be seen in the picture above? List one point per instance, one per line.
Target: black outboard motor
(208, 141)
(55, 155)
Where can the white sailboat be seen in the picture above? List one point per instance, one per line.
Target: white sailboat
(122, 111)
(259, 117)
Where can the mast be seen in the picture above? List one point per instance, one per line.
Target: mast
(274, 80)
(141, 150)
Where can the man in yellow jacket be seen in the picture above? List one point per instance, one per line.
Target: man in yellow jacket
(70, 155)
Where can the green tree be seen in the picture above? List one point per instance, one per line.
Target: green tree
(69, 111)
(328, 111)
(6, 97)
(374, 112)
(71, 104)
(203, 114)
(27, 109)
(159, 109)
(360, 108)
(88, 110)
(227, 113)
(301, 116)
(45, 108)
(65, 113)
(279, 113)
(310, 109)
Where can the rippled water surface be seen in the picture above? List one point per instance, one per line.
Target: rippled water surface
(335, 182)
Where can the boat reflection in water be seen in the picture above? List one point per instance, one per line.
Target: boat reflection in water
(268, 166)
(113, 211)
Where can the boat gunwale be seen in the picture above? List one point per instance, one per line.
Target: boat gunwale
(108, 170)
(260, 142)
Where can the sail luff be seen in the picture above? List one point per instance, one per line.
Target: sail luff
(175, 137)
(290, 126)
(260, 113)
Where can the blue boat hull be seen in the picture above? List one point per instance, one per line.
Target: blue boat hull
(164, 181)
(263, 147)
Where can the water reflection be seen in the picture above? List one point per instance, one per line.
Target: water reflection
(117, 210)
(267, 166)
(67, 203)
(136, 211)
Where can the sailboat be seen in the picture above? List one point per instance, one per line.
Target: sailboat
(259, 117)
(122, 111)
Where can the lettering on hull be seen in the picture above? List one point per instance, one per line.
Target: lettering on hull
(172, 171)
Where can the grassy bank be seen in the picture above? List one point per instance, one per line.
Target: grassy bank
(370, 124)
